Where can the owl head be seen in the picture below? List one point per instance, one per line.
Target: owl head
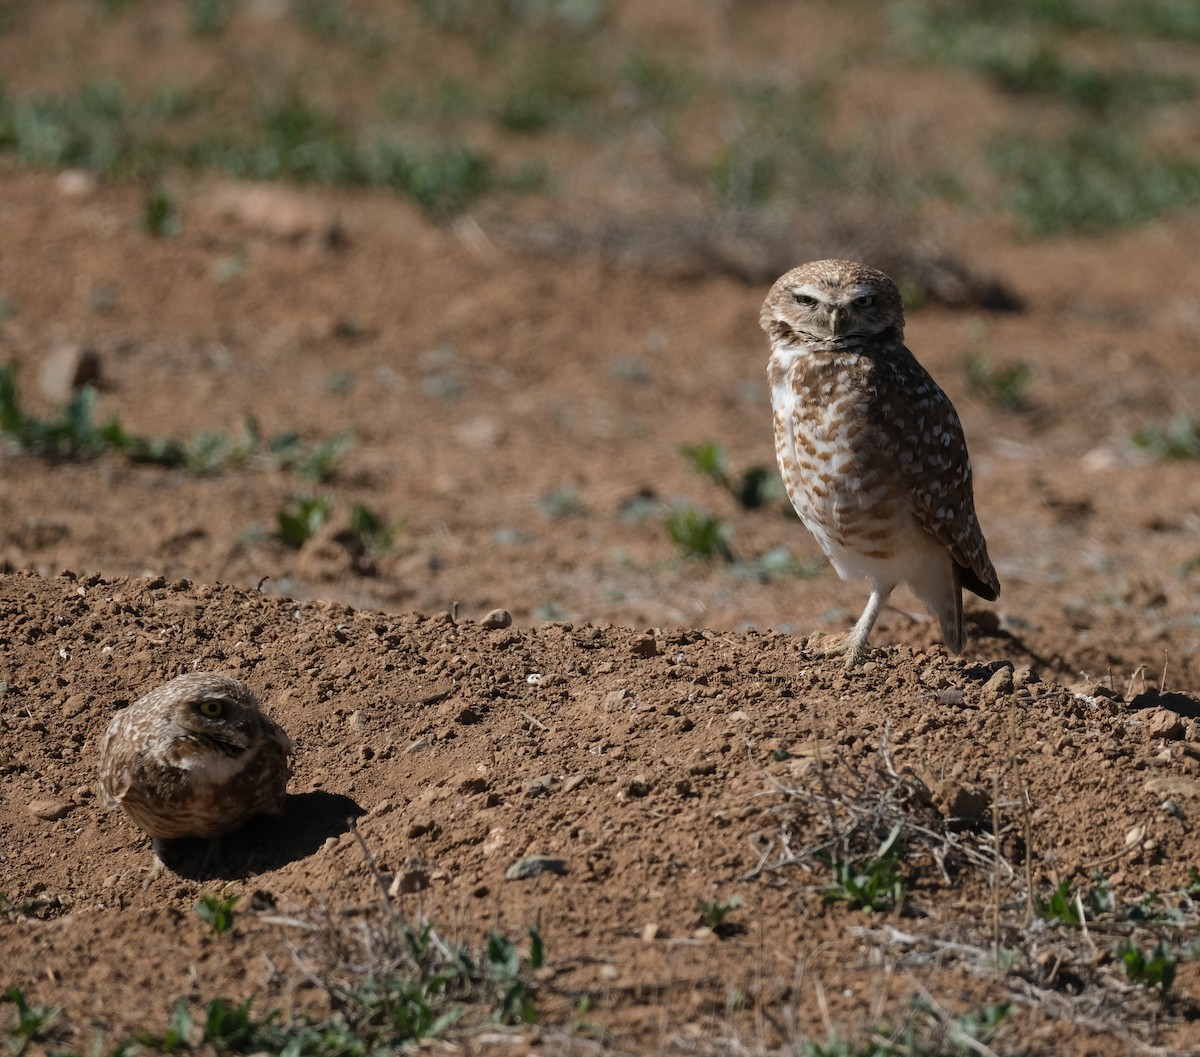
(205, 714)
(831, 300)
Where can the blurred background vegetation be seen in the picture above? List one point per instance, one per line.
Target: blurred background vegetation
(1052, 117)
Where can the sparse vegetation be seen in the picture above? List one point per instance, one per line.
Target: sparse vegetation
(371, 531)
(217, 909)
(698, 534)
(755, 487)
(34, 1022)
(1154, 968)
(303, 519)
(159, 215)
(713, 912)
(72, 433)
(1004, 387)
(1178, 439)
(873, 883)
(928, 1032)
(1091, 180)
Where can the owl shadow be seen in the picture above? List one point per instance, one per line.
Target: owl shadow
(266, 843)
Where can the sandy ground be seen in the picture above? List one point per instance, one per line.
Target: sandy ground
(651, 720)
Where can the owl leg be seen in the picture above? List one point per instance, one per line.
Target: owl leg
(854, 648)
(157, 866)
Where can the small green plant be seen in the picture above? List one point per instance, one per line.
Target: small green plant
(713, 912)
(873, 883)
(160, 218)
(757, 485)
(699, 535)
(314, 462)
(1178, 439)
(515, 1004)
(1060, 906)
(369, 530)
(33, 1022)
(296, 525)
(1149, 969)
(216, 909)
(1004, 387)
(562, 503)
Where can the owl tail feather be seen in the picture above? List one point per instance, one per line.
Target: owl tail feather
(954, 627)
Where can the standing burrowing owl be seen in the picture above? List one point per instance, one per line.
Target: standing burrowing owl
(194, 758)
(870, 449)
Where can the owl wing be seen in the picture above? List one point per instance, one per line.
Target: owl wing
(116, 764)
(926, 440)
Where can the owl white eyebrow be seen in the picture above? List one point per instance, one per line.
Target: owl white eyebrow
(808, 290)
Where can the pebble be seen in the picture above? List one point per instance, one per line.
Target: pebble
(50, 810)
(644, 645)
(541, 785)
(1166, 724)
(496, 619)
(1000, 684)
(534, 865)
(639, 785)
(64, 369)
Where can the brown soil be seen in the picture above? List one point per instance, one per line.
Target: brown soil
(652, 721)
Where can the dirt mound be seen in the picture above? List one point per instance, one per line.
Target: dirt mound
(659, 772)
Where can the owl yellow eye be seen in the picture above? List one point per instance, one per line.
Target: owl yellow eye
(866, 301)
(212, 709)
(805, 300)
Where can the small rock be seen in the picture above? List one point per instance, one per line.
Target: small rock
(1173, 786)
(541, 785)
(644, 645)
(1024, 676)
(651, 932)
(65, 368)
(1172, 809)
(75, 183)
(534, 865)
(419, 745)
(616, 700)
(473, 785)
(50, 810)
(1135, 836)
(73, 705)
(1166, 724)
(639, 785)
(275, 210)
(574, 782)
(1000, 684)
(496, 619)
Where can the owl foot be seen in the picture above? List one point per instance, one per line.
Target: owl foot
(847, 647)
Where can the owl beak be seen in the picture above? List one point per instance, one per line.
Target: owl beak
(833, 321)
